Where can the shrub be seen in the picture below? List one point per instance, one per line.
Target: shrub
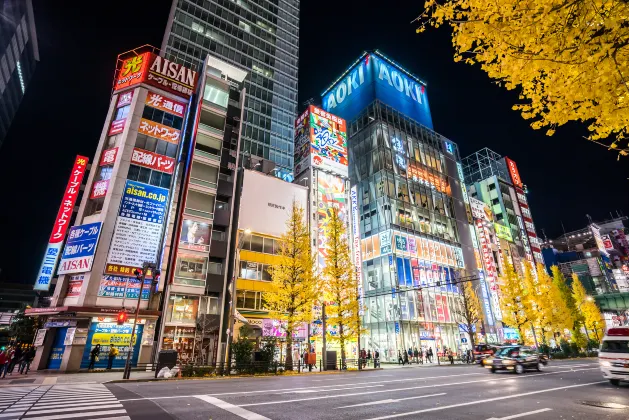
(559, 355)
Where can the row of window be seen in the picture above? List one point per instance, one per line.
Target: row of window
(162, 117)
(261, 244)
(251, 270)
(192, 270)
(149, 176)
(249, 299)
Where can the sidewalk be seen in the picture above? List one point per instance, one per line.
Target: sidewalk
(43, 377)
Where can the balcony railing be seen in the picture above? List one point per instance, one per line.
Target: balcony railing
(210, 129)
(202, 182)
(200, 213)
(212, 156)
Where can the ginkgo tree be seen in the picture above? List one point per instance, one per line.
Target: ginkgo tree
(340, 285)
(294, 283)
(514, 302)
(569, 59)
(469, 314)
(588, 312)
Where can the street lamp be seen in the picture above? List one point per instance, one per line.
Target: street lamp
(232, 288)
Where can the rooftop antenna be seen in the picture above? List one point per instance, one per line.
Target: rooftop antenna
(564, 235)
(589, 218)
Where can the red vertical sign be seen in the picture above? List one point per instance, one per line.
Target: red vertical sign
(69, 199)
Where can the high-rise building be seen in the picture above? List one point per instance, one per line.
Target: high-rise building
(259, 37)
(495, 180)
(409, 205)
(18, 55)
(160, 191)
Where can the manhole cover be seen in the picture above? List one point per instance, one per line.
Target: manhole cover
(602, 404)
(22, 381)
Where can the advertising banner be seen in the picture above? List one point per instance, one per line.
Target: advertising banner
(375, 76)
(117, 127)
(154, 70)
(356, 244)
(171, 106)
(78, 254)
(53, 250)
(137, 234)
(123, 287)
(153, 161)
(596, 232)
(266, 203)
(331, 195)
(514, 173)
(99, 189)
(481, 210)
(75, 284)
(159, 131)
(195, 235)
(125, 99)
(503, 232)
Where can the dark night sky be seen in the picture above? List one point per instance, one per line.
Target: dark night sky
(64, 108)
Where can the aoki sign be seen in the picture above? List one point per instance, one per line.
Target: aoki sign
(374, 76)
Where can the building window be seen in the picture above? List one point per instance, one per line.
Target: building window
(495, 201)
(255, 271)
(182, 309)
(257, 243)
(216, 96)
(191, 270)
(248, 299)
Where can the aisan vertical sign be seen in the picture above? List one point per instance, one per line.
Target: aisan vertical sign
(51, 256)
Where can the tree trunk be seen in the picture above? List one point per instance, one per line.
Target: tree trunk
(470, 329)
(342, 343)
(289, 351)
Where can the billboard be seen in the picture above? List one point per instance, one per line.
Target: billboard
(503, 232)
(596, 232)
(374, 76)
(481, 210)
(159, 131)
(153, 161)
(171, 106)
(195, 235)
(154, 70)
(331, 194)
(321, 142)
(266, 203)
(513, 172)
(78, 254)
(53, 250)
(137, 234)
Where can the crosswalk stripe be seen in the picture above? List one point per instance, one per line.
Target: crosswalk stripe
(81, 400)
(75, 415)
(47, 406)
(113, 418)
(61, 410)
(11, 414)
(78, 396)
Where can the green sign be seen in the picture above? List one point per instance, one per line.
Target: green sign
(503, 232)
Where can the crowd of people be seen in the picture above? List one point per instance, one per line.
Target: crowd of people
(423, 356)
(16, 355)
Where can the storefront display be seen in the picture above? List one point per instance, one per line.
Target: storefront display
(182, 309)
(107, 333)
(180, 339)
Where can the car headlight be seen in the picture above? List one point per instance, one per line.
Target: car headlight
(606, 364)
(509, 362)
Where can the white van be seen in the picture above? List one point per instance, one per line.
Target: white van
(613, 356)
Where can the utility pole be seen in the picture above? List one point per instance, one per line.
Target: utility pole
(146, 266)
(323, 347)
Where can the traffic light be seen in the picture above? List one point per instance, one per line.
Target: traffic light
(122, 317)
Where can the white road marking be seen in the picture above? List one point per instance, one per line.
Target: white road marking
(75, 415)
(35, 410)
(342, 379)
(59, 405)
(266, 391)
(515, 416)
(114, 418)
(308, 391)
(405, 389)
(12, 414)
(506, 397)
(382, 402)
(240, 412)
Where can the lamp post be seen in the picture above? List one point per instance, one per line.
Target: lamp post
(232, 288)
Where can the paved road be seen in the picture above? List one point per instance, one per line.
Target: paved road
(564, 390)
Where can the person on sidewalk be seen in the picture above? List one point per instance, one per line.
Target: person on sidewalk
(430, 354)
(376, 359)
(16, 358)
(27, 359)
(4, 362)
(113, 352)
(410, 355)
(368, 357)
(406, 359)
(400, 359)
(451, 356)
(416, 355)
(94, 356)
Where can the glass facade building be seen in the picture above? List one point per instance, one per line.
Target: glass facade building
(261, 37)
(18, 55)
(414, 232)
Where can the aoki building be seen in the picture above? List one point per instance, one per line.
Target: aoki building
(411, 209)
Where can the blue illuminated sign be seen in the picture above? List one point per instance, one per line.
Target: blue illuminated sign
(375, 77)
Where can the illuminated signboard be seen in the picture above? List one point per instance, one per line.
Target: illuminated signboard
(596, 232)
(78, 254)
(481, 210)
(356, 242)
(53, 250)
(503, 232)
(330, 195)
(153, 161)
(157, 71)
(375, 76)
(320, 142)
(159, 131)
(171, 106)
(108, 157)
(513, 172)
(490, 267)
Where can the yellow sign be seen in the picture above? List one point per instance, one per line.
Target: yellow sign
(110, 339)
(503, 232)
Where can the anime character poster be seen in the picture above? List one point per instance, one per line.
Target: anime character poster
(331, 195)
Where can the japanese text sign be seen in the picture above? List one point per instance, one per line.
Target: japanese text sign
(47, 269)
(158, 101)
(513, 171)
(157, 71)
(117, 127)
(99, 189)
(153, 161)
(108, 157)
(159, 131)
(125, 99)
(80, 248)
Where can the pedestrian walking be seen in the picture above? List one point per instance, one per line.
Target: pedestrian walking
(16, 358)
(409, 352)
(376, 359)
(430, 354)
(27, 359)
(4, 362)
(94, 356)
(400, 359)
(451, 356)
(113, 352)
(416, 355)
(406, 359)
(368, 357)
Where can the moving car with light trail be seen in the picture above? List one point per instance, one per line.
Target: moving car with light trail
(613, 356)
(515, 358)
